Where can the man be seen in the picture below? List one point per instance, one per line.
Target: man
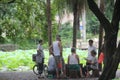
(56, 48)
(73, 62)
(51, 66)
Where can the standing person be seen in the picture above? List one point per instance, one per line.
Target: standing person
(73, 62)
(90, 48)
(56, 48)
(40, 57)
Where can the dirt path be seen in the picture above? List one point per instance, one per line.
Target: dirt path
(18, 76)
(29, 75)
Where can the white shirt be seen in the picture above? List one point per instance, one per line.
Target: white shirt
(94, 60)
(56, 49)
(39, 47)
(90, 48)
(51, 63)
(73, 59)
(39, 59)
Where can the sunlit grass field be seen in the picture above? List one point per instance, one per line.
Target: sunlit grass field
(21, 60)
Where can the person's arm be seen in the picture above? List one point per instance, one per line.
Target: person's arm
(49, 61)
(68, 59)
(77, 58)
(39, 49)
(88, 61)
(80, 66)
(95, 61)
(51, 50)
(81, 74)
(60, 47)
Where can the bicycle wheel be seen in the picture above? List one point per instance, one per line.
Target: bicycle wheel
(35, 70)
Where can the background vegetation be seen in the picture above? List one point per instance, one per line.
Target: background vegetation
(24, 23)
(21, 60)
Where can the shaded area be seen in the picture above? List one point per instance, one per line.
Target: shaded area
(29, 75)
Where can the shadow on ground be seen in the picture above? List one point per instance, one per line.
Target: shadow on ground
(29, 75)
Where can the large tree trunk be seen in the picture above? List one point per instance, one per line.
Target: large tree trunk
(111, 31)
(100, 32)
(84, 22)
(75, 23)
(48, 10)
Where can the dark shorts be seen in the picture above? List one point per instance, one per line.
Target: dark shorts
(74, 66)
(59, 62)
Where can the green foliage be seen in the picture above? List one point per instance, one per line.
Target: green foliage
(1, 38)
(25, 21)
(13, 60)
(90, 35)
(109, 7)
(92, 24)
(27, 44)
(66, 34)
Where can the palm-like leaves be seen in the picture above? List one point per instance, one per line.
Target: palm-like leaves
(69, 5)
(74, 6)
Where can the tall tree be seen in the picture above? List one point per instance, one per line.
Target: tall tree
(84, 22)
(111, 51)
(74, 6)
(48, 13)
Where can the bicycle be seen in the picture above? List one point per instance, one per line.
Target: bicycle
(35, 67)
(45, 69)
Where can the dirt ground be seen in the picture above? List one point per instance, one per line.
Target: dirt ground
(29, 75)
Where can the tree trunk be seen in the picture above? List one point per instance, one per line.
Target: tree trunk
(48, 10)
(110, 70)
(101, 32)
(111, 31)
(75, 23)
(84, 23)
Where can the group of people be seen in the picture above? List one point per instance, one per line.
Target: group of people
(56, 65)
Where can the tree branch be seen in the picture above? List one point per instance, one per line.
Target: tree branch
(116, 14)
(94, 8)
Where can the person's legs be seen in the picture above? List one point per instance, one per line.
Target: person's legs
(57, 60)
(53, 73)
(86, 71)
(63, 67)
(40, 68)
(81, 74)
